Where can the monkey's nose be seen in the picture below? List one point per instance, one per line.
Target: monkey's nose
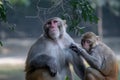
(52, 26)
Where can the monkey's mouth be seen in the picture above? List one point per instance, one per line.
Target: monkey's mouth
(53, 29)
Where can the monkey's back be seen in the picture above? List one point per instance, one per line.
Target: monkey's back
(110, 65)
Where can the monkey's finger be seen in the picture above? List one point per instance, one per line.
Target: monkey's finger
(52, 74)
(73, 47)
(73, 44)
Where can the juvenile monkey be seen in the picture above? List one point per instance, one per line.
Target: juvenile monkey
(49, 57)
(102, 60)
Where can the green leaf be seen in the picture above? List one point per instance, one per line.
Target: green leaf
(1, 43)
(74, 3)
(1, 2)
(81, 31)
(12, 28)
(84, 16)
(3, 16)
(2, 13)
(66, 78)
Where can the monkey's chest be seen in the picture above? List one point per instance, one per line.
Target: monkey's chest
(59, 54)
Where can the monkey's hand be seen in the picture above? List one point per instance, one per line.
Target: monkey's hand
(76, 49)
(44, 61)
(52, 67)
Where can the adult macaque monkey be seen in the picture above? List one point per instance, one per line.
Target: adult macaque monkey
(102, 60)
(49, 57)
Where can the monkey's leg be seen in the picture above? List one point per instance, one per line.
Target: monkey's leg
(36, 75)
(93, 74)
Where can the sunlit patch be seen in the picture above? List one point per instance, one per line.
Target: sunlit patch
(11, 61)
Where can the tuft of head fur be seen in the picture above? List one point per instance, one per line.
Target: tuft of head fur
(89, 35)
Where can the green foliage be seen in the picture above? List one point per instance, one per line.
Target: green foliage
(19, 2)
(74, 11)
(1, 43)
(87, 12)
(2, 12)
(81, 10)
(2, 16)
(66, 78)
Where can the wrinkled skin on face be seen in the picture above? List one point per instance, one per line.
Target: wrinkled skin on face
(89, 40)
(55, 27)
(86, 45)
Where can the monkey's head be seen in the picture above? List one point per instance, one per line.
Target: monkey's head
(89, 40)
(55, 28)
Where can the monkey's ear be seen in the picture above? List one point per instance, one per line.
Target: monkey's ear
(64, 22)
(98, 38)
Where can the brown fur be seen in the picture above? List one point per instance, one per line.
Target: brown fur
(109, 67)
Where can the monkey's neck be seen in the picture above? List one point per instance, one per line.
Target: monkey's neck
(57, 39)
(93, 49)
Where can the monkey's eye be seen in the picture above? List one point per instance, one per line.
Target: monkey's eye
(49, 23)
(55, 21)
(88, 41)
(82, 41)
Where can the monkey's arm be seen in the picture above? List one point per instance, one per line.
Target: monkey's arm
(43, 61)
(79, 67)
(77, 63)
(94, 61)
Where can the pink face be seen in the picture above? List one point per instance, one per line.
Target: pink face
(53, 25)
(53, 31)
(86, 44)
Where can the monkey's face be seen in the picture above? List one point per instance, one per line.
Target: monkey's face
(86, 44)
(88, 41)
(54, 28)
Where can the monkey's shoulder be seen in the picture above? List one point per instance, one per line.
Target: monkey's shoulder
(106, 48)
(104, 51)
(43, 45)
(67, 40)
(43, 41)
